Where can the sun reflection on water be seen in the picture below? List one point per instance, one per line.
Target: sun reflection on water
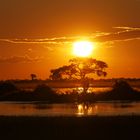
(85, 109)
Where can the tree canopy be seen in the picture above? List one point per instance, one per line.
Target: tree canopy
(33, 76)
(80, 68)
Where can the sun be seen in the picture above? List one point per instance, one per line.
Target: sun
(82, 48)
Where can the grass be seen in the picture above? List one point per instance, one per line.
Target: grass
(43, 128)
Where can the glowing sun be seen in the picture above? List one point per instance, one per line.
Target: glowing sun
(82, 48)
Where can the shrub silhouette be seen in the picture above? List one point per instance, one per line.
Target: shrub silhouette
(121, 91)
(44, 92)
(122, 86)
(7, 87)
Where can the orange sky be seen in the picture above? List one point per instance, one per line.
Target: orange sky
(37, 35)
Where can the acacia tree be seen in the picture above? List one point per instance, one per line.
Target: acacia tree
(82, 69)
(33, 76)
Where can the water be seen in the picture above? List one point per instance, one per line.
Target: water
(43, 109)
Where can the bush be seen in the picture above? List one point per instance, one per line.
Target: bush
(7, 87)
(121, 91)
(122, 86)
(44, 92)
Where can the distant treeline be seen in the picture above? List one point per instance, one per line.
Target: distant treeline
(70, 80)
(65, 83)
(121, 90)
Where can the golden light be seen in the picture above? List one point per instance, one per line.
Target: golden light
(84, 110)
(83, 48)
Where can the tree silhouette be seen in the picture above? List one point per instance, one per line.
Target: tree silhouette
(80, 68)
(33, 76)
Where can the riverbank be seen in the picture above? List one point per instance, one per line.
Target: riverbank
(97, 127)
(121, 91)
(30, 85)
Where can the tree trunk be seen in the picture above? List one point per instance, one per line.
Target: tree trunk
(85, 85)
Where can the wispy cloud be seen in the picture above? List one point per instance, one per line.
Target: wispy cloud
(56, 40)
(128, 28)
(20, 59)
(123, 34)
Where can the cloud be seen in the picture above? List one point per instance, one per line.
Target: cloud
(49, 48)
(123, 34)
(59, 40)
(30, 50)
(128, 28)
(20, 59)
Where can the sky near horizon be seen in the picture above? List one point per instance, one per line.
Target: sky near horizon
(37, 35)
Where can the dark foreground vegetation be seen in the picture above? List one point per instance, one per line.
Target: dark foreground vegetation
(64, 128)
(120, 91)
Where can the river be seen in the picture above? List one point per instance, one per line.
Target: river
(44, 109)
